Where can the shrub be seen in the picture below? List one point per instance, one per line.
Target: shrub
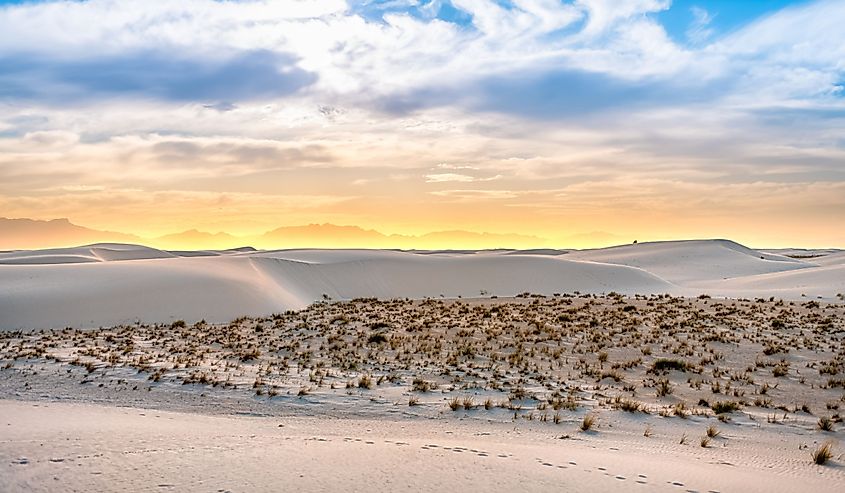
(825, 424)
(420, 385)
(588, 422)
(669, 364)
(823, 454)
(627, 405)
(454, 404)
(365, 382)
(376, 339)
(664, 388)
(722, 407)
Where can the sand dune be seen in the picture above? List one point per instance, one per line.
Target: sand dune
(106, 284)
(694, 260)
(221, 288)
(812, 282)
(101, 252)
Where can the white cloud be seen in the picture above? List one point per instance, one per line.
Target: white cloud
(456, 177)
(699, 29)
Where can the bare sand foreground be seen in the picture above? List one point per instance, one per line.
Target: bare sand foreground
(79, 447)
(538, 393)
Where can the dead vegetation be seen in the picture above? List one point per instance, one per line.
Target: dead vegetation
(533, 356)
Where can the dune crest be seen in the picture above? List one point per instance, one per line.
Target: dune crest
(105, 284)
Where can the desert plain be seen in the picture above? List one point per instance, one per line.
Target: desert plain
(671, 366)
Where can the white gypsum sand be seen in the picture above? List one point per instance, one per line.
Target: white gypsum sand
(110, 284)
(692, 394)
(83, 447)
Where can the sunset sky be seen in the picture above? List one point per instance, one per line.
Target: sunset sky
(636, 119)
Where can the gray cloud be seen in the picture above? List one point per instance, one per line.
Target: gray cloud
(158, 75)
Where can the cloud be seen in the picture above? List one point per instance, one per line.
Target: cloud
(403, 98)
(176, 77)
(456, 177)
(699, 29)
(464, 195)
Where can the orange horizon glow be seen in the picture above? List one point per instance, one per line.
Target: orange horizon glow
(53, 234)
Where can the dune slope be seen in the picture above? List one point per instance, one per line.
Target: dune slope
(106, 284)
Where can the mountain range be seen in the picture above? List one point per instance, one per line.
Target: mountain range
(26, 233)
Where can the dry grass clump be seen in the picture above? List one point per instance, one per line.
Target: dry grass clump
(628, 405)
(454, 403)
(365, 382)
(712, 431)
(420, 385)
(823, 454)
(588, 423)
(664, 387)
(825, 423)
(723, 407)
(666, 364)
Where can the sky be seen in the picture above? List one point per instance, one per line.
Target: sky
(566, 120)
